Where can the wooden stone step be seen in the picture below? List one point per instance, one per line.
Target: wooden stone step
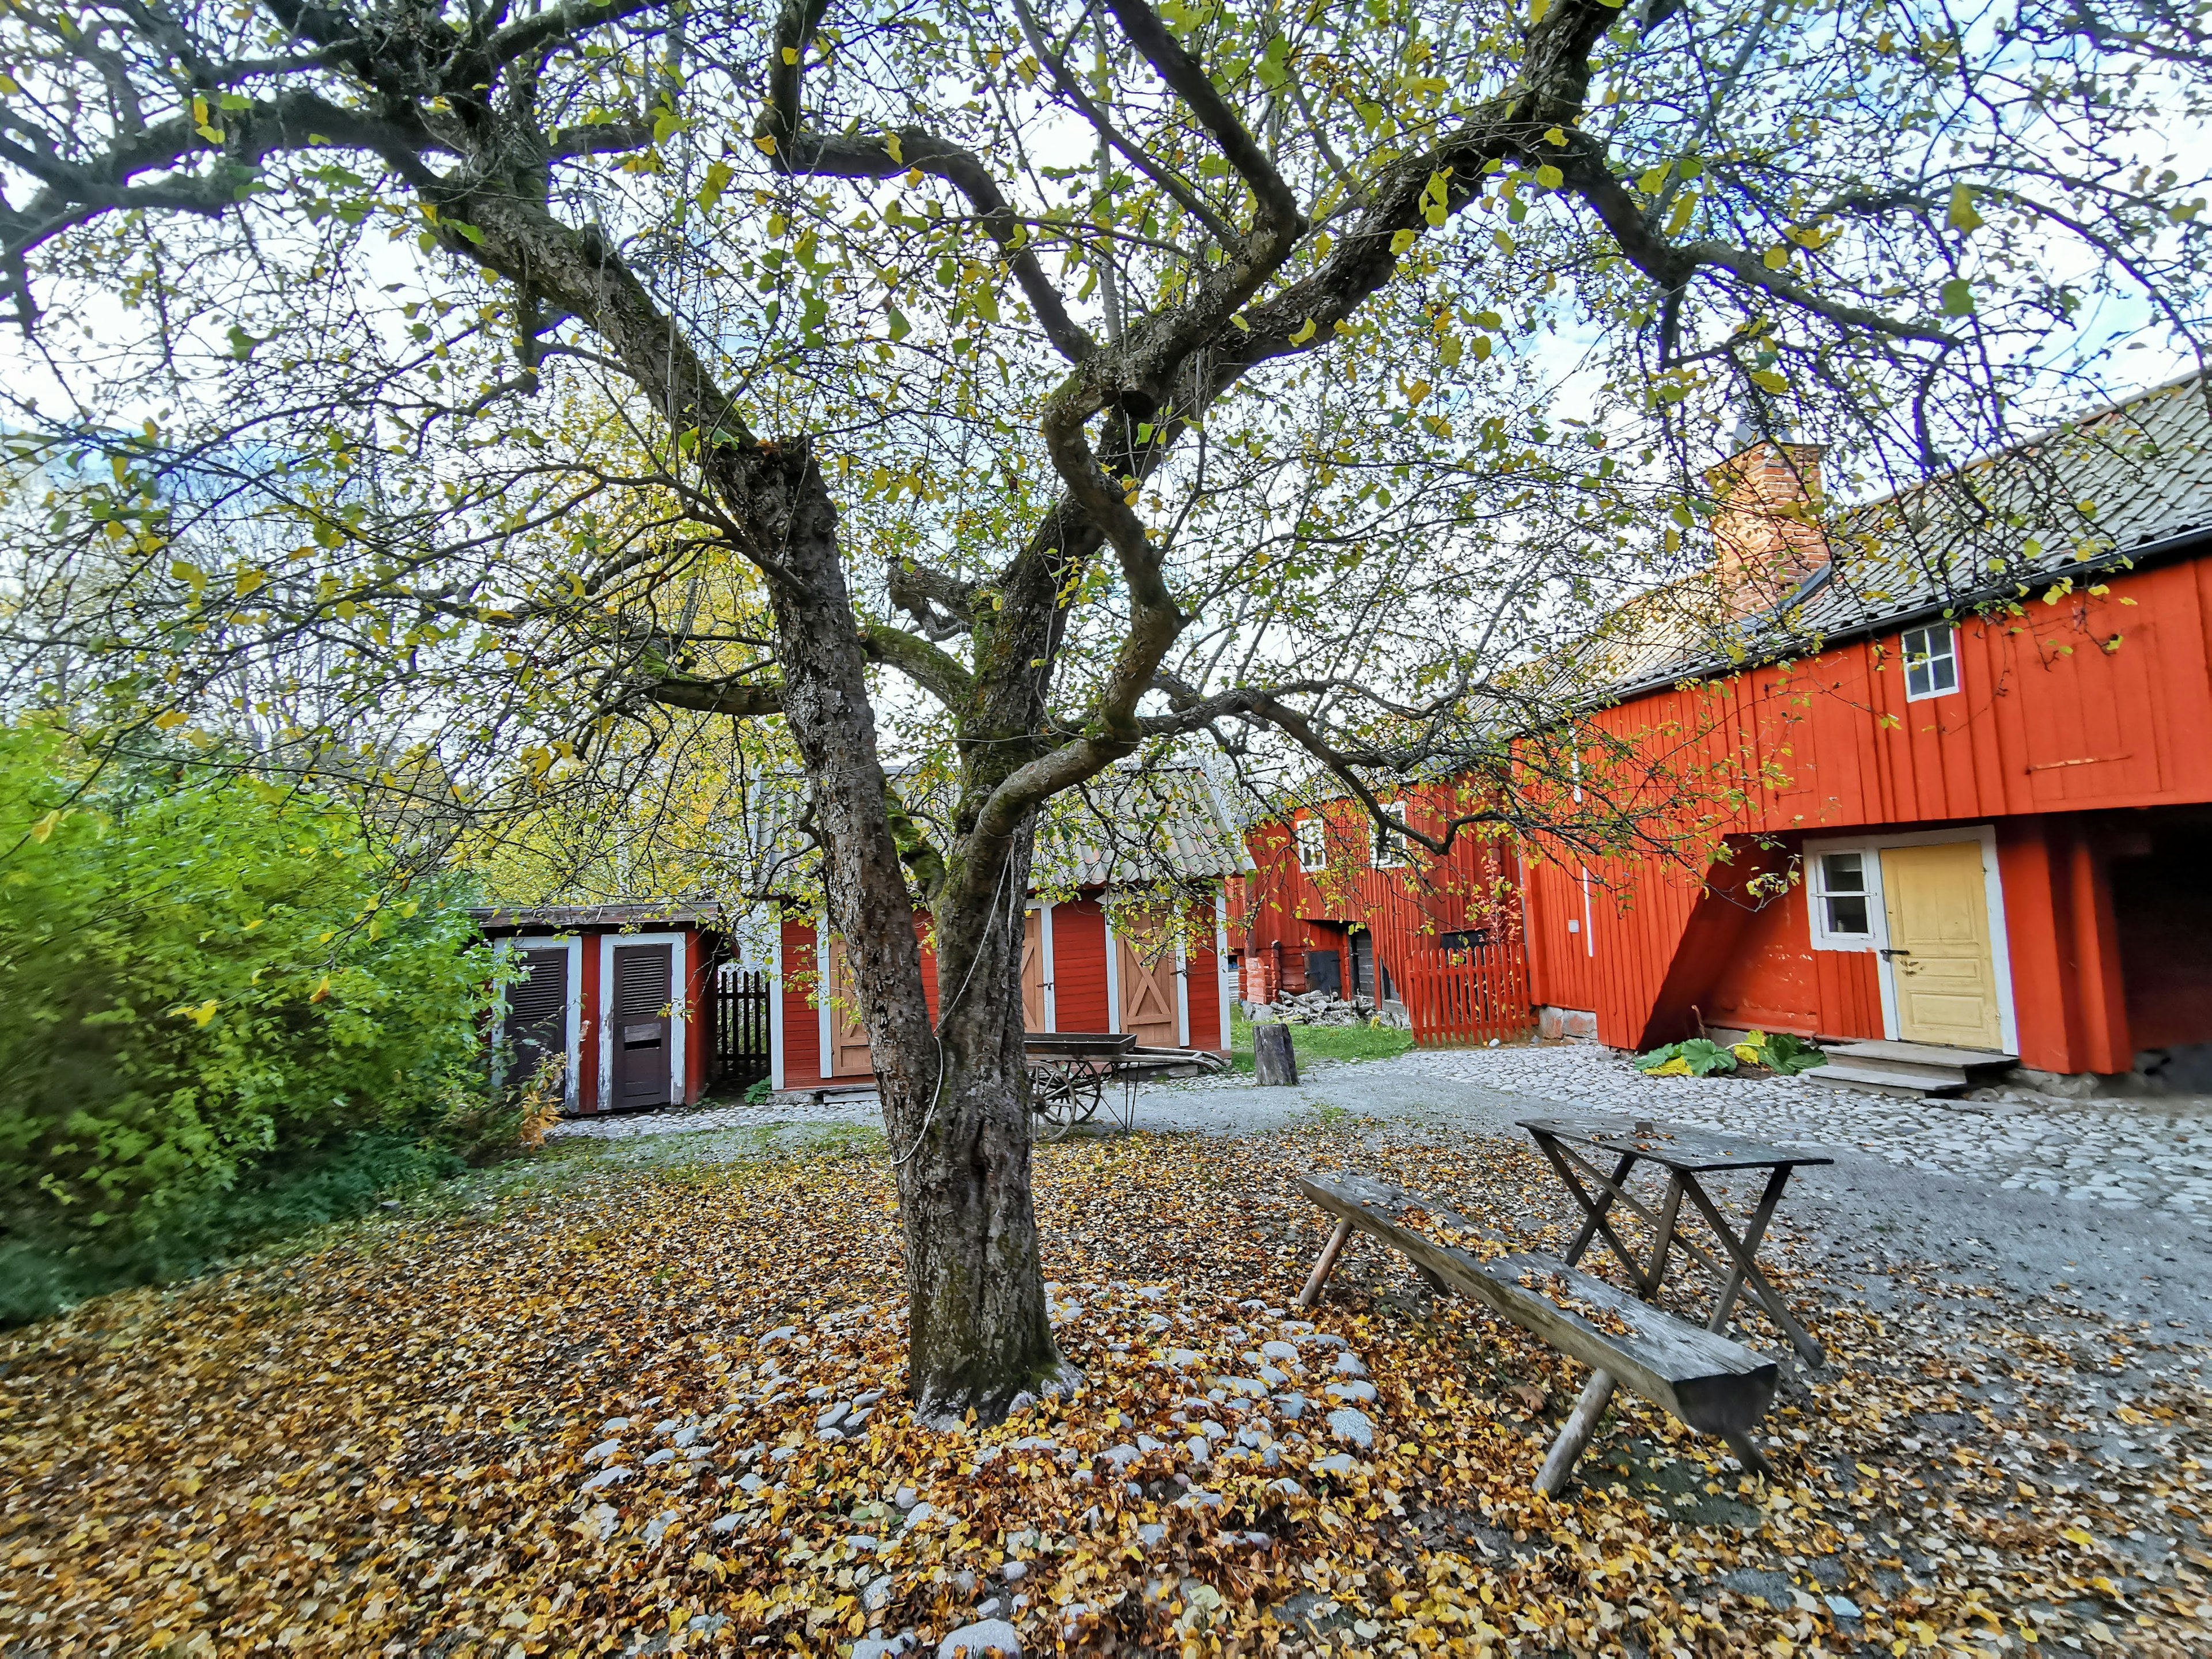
(1843, 1075)
(1968, 1061)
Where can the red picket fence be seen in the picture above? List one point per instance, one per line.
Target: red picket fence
(1466, 988)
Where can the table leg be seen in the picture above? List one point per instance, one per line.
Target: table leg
(1575, 1435)
(1754, 1280)
(1656, 1274)
(1592, 1208)
(1751, 1235)
(1326, 1266)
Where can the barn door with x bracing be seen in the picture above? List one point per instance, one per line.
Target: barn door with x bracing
(644, 1044)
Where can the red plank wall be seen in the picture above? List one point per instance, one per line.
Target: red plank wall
(2081, 703)
(588, 1047)
(1079, 966)
(695, 1001)
(802, 1024)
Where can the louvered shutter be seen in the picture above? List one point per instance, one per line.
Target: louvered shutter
(643, 1048)
(536, 1012)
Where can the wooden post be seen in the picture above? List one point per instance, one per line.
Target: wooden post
(1326, 1266)
(1747, 1452)
(1575, 1436)
(1272, 1062)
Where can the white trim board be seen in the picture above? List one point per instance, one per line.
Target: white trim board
(775, 1012)
(573, 1085)
(1112, 973)
(1878, 915)
(1225, 971)
(824, 1053)
(1182, 992)
(679, 1009)
(1045, 968)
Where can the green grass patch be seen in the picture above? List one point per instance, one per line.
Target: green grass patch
(1322, 1042)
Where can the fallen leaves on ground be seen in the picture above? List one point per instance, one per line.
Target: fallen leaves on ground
(660, 1411)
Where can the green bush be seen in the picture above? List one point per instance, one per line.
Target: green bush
(1702, 1057)
(222, 1016)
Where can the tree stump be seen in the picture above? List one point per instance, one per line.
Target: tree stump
(1272, 1062)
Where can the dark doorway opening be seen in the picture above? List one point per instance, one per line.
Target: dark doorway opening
(738, 1012)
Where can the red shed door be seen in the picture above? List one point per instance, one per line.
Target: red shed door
(644, 1046)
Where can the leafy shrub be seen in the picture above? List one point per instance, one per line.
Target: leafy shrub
(1780, 1053)
(490, 1126)
(210, 987)
(1698, 1057)
(1702, 1057)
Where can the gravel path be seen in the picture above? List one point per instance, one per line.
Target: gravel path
(2100, 1201)
(2104, 1201)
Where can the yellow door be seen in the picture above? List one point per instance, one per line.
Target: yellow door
(1145, 944)
(1942, 963)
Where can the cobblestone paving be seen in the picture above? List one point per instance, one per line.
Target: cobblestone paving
(2122, 1154)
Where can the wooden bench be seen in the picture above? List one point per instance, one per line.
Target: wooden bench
(1712, 1383)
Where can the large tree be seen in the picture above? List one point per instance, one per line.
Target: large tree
(449, 394)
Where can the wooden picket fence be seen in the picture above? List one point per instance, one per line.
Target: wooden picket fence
(1464, 994)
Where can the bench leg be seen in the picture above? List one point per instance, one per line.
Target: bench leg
(1575, 1436)
(1326, 1266)
(1747, 1452)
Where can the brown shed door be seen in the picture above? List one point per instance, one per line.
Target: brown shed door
(644, 1042)
(849, 1052)
(536, 1014)
(1033, 971)
(1145, 963)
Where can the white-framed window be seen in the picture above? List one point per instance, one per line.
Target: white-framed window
(1313, 845)
(1846, 898)
(1931, 661)
(1389, 845)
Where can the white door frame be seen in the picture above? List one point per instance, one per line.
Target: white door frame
(1985, 836)
(680, 1008)
(572, 1082)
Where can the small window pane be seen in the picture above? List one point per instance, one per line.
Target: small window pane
(1843, 872)
(1931, 662)
(1847, 913)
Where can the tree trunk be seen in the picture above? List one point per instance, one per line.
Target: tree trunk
(955, 1099)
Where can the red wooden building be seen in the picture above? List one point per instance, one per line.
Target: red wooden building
(654, 1005)
(1974, 814)
(622, 992)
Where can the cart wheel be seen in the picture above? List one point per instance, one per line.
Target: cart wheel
(1053, 1101)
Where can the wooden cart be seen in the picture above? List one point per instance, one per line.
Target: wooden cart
(1072, 1073)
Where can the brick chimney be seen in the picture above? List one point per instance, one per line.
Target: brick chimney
(1766, 536)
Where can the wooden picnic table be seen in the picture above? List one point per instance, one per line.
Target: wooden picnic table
(1687, 1155)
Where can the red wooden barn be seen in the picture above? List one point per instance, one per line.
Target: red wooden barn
(654, 1005)
(1975, 818)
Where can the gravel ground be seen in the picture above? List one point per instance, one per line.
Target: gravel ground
(2103, 1202)
(2099, 1202)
